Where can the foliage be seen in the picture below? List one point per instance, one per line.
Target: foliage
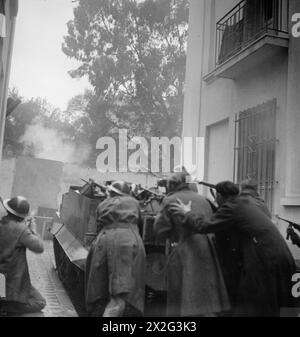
(17, 122)
(134, 54)
(40, 113)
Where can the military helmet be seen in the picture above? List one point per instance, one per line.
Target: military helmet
(18, 206)
(227, 188)
(178, 179)
(119, 187)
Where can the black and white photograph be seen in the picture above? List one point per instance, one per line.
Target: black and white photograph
(149, 161)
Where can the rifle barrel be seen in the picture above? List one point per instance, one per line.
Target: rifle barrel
(152, 192)
(207, 184)
(291, 223)
(102, 187)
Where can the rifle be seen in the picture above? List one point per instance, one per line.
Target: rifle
(211, 187)
(154, 195)
(291, 225)
(93, 183)
(207, 184)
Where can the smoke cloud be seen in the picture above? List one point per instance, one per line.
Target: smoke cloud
(46, 143)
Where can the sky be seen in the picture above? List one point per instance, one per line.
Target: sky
(39, 67)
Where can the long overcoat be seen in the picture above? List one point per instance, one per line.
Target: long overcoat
(259, 279)
(116, 261)
(195, 284)
(15, 238)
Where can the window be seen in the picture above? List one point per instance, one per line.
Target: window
(255, 146)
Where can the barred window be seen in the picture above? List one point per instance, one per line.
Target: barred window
(255, 146)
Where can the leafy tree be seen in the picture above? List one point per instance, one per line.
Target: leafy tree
(134, 54)
(88, 121)
(18, 120)
(67, 125)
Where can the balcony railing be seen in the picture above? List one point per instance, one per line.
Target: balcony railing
(248, 21)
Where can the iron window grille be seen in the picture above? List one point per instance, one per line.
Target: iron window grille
(255, 148)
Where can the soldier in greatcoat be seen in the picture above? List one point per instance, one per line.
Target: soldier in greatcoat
(17, 234)
(195, 284)
(115, 267)
(261, 278)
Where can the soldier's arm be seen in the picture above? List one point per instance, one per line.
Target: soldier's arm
(296, 241)
(32, 241)
(219, 221)
(162, 223)
(295, 238)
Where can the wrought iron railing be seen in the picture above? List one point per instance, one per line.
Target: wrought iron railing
(248, 21)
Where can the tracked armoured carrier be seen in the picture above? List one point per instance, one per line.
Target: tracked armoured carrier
(75, 228)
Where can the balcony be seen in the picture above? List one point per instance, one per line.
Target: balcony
(251, 32)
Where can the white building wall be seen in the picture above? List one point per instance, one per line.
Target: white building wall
(194, 73)
(218, 147)
(221, 99)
